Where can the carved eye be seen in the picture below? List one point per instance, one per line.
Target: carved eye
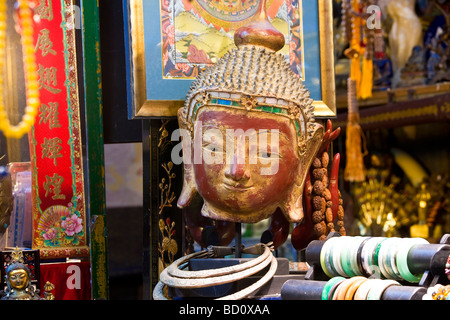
(213, 148)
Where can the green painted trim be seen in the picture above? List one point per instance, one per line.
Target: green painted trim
(70, 108)
(94, 148)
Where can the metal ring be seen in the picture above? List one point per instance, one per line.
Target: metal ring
(230, 276)
(174, 270)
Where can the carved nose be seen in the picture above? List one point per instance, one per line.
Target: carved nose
(237, 171)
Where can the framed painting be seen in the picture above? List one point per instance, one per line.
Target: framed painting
(170, 41)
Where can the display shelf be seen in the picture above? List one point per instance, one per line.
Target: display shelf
(388, 96)
(409, 112)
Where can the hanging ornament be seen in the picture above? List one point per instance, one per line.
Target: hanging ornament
(354, 168)
(367, 61)
(25, 14)
(361, 45)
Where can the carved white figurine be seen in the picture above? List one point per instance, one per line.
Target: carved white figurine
(405, 34)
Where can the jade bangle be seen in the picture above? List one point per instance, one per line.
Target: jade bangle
(354, 255)
(322, 259)
(378, 288)
(391, 259)
(376, 253)
(402, 258)
(359, 256)
(329, 256)
(345, 257)
(383, 258)
(333, 288)
(330, 283)
(337, 250)
(367, 255)
(324, 256)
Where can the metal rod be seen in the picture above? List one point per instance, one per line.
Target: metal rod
(238, 240)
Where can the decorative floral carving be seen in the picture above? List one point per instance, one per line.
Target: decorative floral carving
(168, 244)
(167, 195)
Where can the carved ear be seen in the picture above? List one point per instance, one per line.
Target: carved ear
(189, 190)
(293, 208)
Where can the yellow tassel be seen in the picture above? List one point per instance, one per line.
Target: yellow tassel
(355, 75)
(354, 168)
(367, 79)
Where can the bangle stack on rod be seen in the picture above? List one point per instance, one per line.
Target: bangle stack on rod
(369, 268)
(354, 288)
(401, 259)
(384, 258)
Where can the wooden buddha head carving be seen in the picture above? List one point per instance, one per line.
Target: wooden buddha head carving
(251, 133)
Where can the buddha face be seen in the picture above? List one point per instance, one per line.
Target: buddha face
(245, 165)
(18, 279)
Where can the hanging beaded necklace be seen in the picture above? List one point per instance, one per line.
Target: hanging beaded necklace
(31, 80)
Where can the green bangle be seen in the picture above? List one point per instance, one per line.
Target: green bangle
(383, 258)
(332, 283)
(345, 257)
(376, 256)
(402, 258)
(367, 255)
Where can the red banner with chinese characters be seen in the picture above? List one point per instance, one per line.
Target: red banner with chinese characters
(59, 216)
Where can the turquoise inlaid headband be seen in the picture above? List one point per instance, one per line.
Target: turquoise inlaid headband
(249, 103)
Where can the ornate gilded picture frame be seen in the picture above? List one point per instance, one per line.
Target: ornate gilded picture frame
(169, 42)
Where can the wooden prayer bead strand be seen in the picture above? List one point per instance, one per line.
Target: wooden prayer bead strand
(322, 219)
(320, 227)
(327, 193)
(340, 216)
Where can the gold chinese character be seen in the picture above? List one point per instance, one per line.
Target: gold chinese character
(44, 43)
(45, 10)
(51, 149)
(48, 79)
(49, 114)
(53, 185)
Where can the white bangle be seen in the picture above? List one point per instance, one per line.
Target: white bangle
(378, 287)
(337, 250)
(345, 256)
(363, 290)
